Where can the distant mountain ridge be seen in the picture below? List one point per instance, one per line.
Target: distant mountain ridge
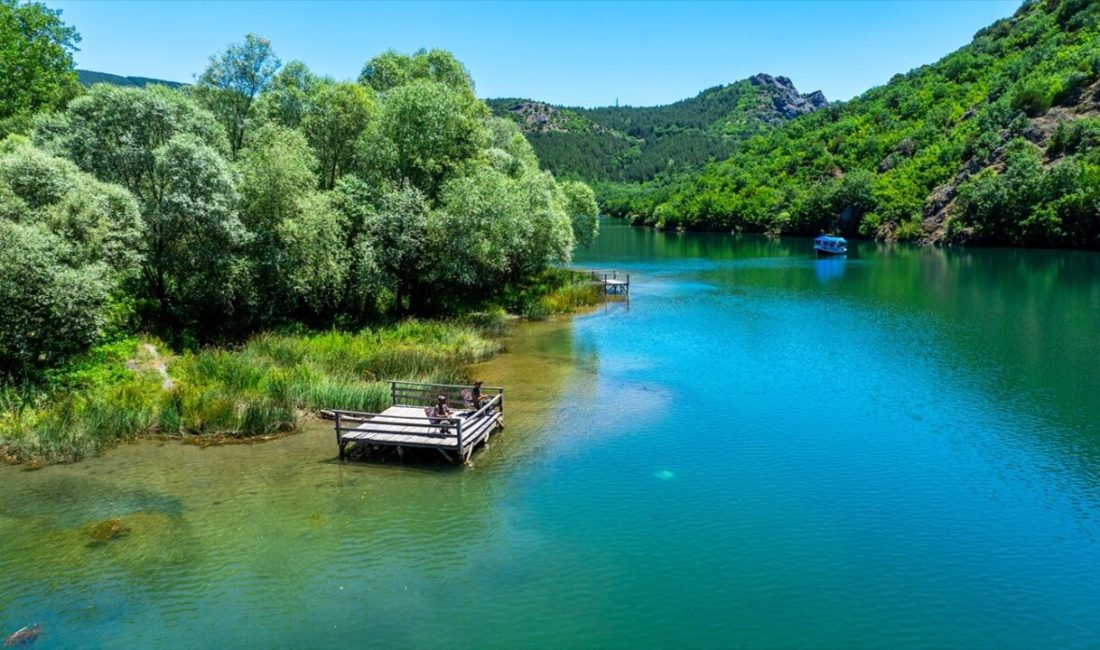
(638, 143)
(997, 143)
(90, 77)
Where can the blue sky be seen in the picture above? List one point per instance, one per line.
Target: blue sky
(574, 53)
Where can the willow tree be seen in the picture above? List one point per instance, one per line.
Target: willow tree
(392, 69)
(36, 62)
(232, 82)
(169, 153)
(338, 116)
(433, 128)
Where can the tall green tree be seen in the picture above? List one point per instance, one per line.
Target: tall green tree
(392, 69)
(36, 62)
(113, 132)
(580, 205)
(398, 229)
(287, 98)
(338, 116)
(195, 269)
(50, 308)
(433, 128)
(168, 152)
(276, 174)
(234, 79)
(69, 248)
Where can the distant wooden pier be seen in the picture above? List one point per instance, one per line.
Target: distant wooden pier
(613, 282)
(406, 422)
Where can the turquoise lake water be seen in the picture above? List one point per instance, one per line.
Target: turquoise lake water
(759, 449)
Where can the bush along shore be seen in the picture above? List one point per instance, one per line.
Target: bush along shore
(137, 387)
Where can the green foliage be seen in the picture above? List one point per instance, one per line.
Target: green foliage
(195, 269)
(317, 259)
(910, 155)
(628, 144)
(231, 83)
(113, 133)
(433, 128)
(116, 393)
(49, 307)
(555, 291)
(580, 205)
(392, 69)
(67, 243)
(288, 96)
(36, 63)
(338, 116)
(1031, 205)
(343, 206)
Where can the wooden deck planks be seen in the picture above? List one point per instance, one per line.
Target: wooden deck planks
(392, 432)
(402, 425)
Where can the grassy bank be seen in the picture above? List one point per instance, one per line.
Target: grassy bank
(555, 291)
(135, 387)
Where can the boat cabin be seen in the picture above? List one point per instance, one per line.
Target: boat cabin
(829, 245)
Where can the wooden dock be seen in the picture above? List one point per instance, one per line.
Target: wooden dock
(613, 282)
(406, 422)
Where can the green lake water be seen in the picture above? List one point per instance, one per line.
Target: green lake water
(760, 449)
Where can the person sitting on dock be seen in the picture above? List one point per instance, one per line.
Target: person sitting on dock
(441, 413)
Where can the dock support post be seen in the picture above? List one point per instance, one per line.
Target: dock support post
(339, 443)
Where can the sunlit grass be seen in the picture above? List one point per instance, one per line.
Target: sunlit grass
(261, 388)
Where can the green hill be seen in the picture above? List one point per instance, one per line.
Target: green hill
(90, 77)
(629, 144)
(998, 142)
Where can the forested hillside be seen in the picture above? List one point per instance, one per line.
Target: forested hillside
(998, 142)
(629, 144)
(91, 77)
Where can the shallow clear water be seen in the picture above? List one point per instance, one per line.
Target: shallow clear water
(899, 449)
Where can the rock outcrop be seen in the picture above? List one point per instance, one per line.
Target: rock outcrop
(786, 99)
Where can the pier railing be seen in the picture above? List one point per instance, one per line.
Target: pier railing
(424, 430)
(408, 393)
(614, 283)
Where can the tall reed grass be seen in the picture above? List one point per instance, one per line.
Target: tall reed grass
(258, 389)
(556, 291)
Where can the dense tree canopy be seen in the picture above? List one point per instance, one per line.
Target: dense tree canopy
(234, 79)
(36, 63)
(264, 197)
(69, 246)
(994, 143)
(393, 69)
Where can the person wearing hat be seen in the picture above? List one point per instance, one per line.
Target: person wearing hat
(476, 395)
(442, 412)
(441, 409)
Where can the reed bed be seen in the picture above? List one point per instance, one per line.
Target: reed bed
(261, 388)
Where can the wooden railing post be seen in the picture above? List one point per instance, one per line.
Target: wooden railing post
(459, 428)
(393, 393)
(337, 413)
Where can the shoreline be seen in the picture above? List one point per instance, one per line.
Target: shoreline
(266, 388)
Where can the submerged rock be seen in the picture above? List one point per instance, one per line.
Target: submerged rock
(24, 637)
(105, 531)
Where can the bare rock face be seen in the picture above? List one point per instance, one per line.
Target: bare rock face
(786, 99)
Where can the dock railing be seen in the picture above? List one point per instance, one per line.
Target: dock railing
(438, 431)
(409, 393)
(614, 282)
